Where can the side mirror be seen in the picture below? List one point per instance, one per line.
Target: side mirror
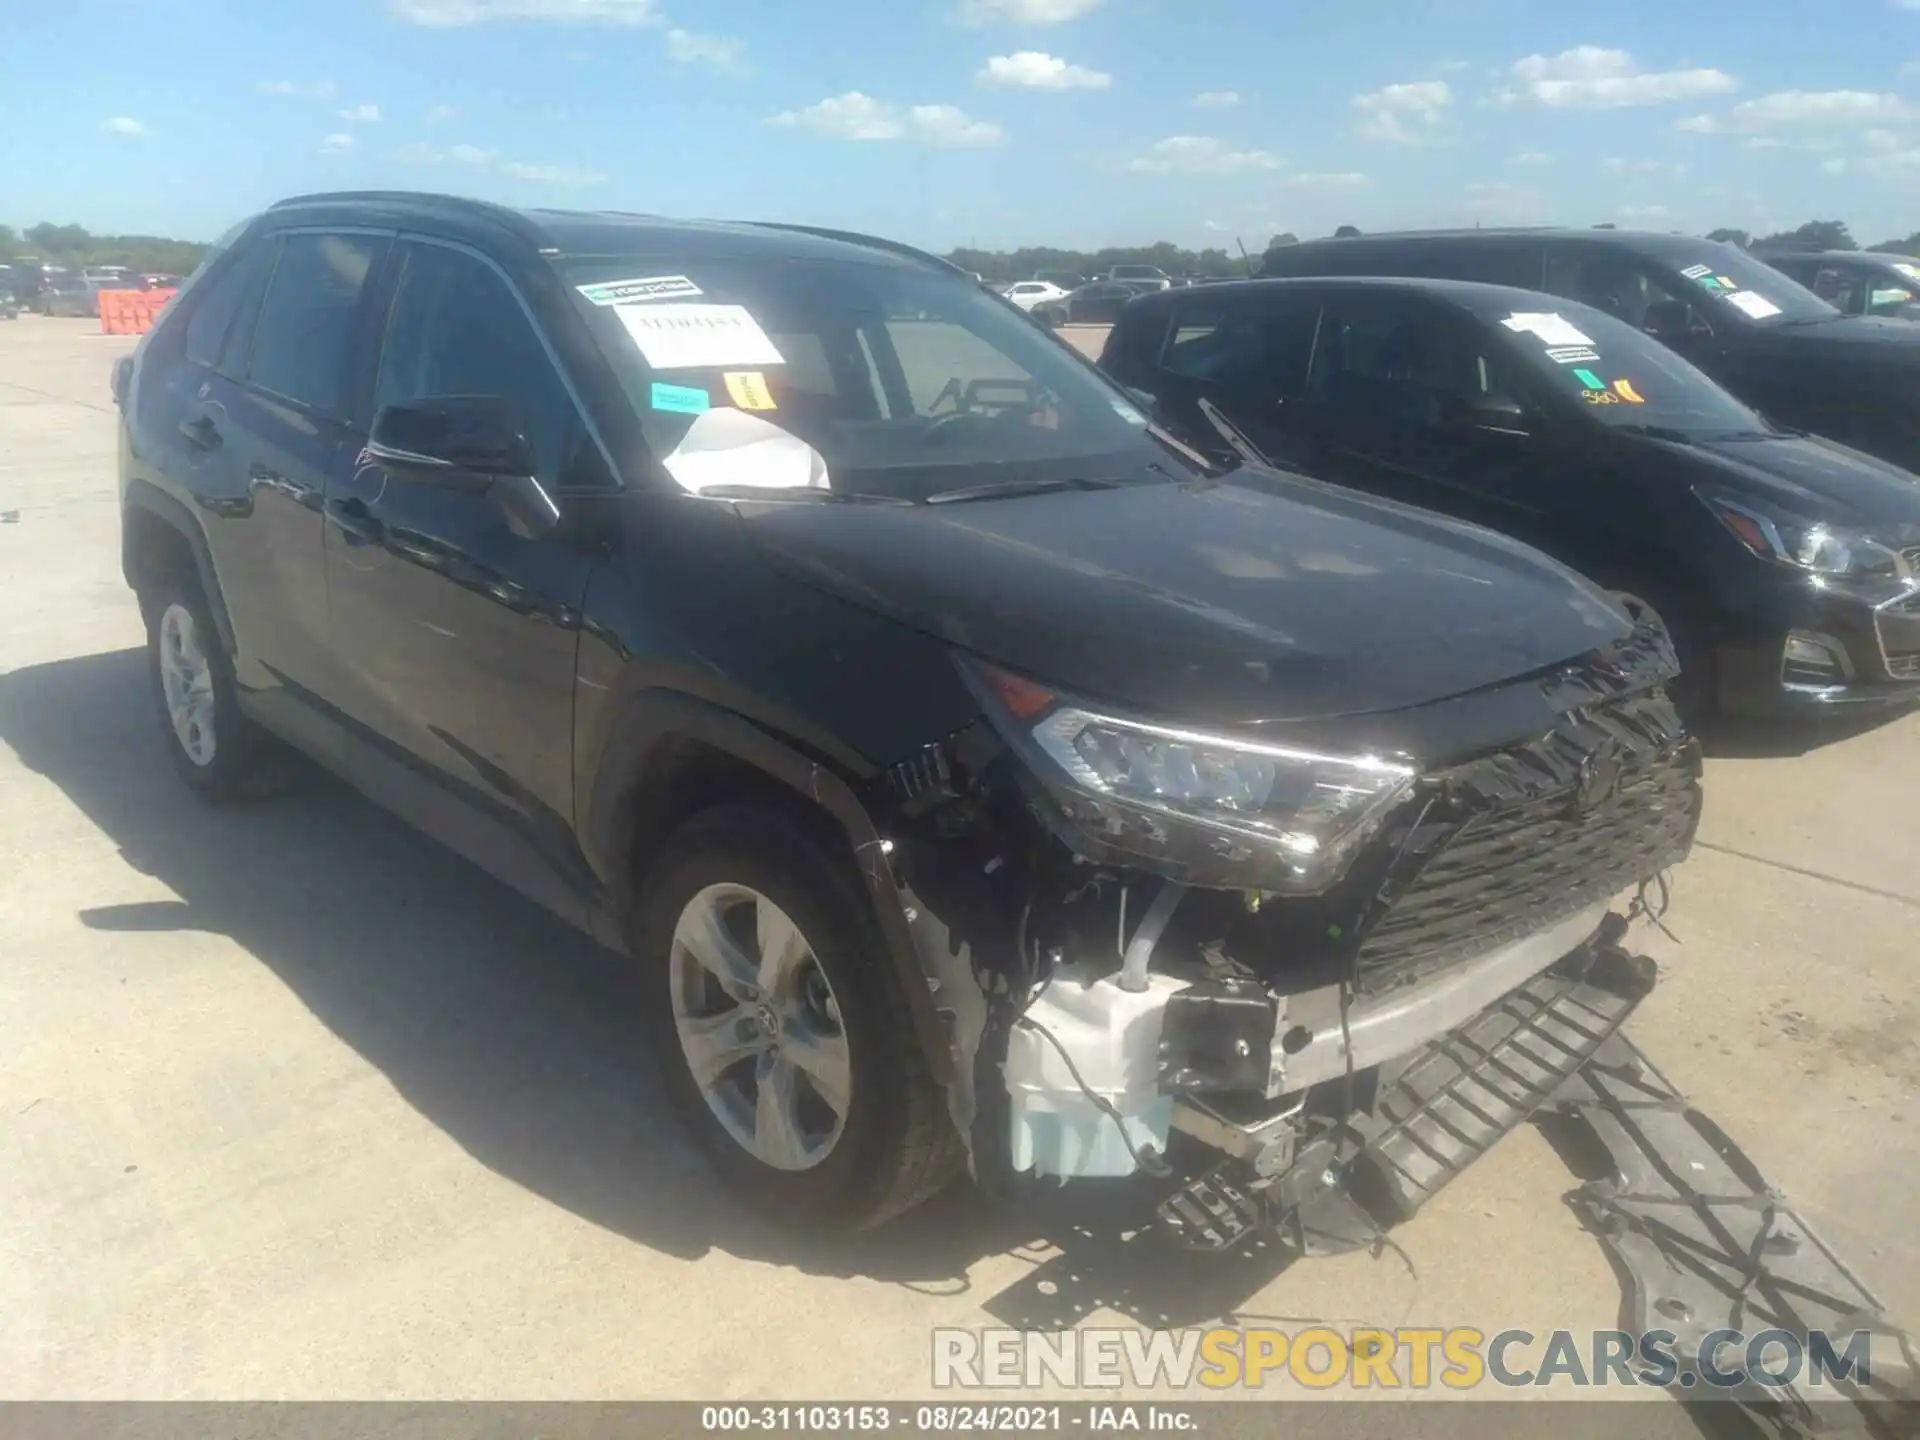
(464, 442)
(1501, 413)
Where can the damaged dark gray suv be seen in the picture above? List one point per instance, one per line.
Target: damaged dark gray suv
(974, 776)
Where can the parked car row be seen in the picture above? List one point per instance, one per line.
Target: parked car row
(1685, 425)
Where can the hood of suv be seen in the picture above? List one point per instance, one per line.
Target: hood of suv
(1866, 340)
(1262, 598)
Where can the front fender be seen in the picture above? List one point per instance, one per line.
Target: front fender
(651, 718)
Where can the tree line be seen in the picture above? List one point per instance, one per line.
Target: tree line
(1001, 266)
(74, 247)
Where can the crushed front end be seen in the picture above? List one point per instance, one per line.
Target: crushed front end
(1294, 981)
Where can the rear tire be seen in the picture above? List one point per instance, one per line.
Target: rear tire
(216, 750)
(781, 1028)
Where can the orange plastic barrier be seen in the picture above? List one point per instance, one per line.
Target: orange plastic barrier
(131, 312)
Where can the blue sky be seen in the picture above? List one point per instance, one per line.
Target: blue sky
(994, 122)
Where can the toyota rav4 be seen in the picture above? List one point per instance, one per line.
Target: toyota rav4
(973, 776)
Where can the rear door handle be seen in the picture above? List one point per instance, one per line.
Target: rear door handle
(355, 521)
(201, 432)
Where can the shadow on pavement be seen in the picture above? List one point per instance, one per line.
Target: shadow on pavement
(1735, 738)
(503, 1026)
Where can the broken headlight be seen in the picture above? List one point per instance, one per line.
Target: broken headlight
(1218, 809)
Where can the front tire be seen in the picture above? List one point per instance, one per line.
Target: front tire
(216, 750)
(781, 1028)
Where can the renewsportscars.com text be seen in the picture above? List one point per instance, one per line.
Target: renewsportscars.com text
(1458, 1358)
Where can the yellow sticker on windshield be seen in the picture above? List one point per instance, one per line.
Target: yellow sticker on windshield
(749, 390)
(1624, 389)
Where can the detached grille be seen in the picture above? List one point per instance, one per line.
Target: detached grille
(1520, 840)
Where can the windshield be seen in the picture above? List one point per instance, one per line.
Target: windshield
(1614, 373)
(905, 381)
(1743, 288)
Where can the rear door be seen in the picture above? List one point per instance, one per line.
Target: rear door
(460, 633)
(1395, 403)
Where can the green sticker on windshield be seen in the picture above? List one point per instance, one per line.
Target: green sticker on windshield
(1590, 380)
(680, 399)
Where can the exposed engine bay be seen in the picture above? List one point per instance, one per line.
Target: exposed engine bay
(1230, 1012)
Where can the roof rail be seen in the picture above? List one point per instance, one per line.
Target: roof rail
(485, 208)
(853, 237)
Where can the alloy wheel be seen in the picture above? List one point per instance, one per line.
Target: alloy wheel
(760, 1027)
(186, 681)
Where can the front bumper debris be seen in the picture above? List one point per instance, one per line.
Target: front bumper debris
(1703, 1243)
(1448, 1106)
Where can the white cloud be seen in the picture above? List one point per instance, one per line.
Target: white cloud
(360, 114)
(1763, 142)
(318, 90)
(336, 144)
(1336, 180)
(451, 14)
(552, 174)
(1527, 159)
(855, 116)
(714, 51)
(1589, 77)
(419, 153)
(1408, 114)
(1662, 169)
(1037, 70)
(470, 155)
(852, 116)
(440, 114)
(1023, 12)
(1797, 109)
(1834, 167)
(124, 125)
(1217, 99)
(952, 128)
(1201, 154)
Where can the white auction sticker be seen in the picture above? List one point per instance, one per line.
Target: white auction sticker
(696, 337)
(1694, 272)
(650, 287)
(1551, 329)
(1758, 306)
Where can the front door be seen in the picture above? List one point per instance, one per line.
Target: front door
(1246, 356)
(459, 631)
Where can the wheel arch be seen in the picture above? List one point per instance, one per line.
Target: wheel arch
(670, 755)
(159, 538)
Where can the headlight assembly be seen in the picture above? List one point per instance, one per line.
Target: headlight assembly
(1270, 817)
(1816, 548)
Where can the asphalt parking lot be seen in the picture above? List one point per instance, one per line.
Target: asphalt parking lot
(295, 1104)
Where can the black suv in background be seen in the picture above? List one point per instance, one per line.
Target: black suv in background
(1770, 341)
(1784, 565)
(965, 763)
(1855, 282)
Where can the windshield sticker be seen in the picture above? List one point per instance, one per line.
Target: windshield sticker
(1712, 282)
(1726, 284)
(1590, 380)
(1550, 328)
(1758, 306)
(674, 336)
(749, 390)
(1694, 272)
(1572, 355)
(652, 287)
(680, 399)
(1912, 272)
(1624, 389)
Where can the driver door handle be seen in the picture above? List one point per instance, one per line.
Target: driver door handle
(201, 432)
(356, 521)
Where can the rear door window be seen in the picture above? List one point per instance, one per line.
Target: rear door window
(1261, 345)
(1395, 357)
(224, 310)
(305, 335)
